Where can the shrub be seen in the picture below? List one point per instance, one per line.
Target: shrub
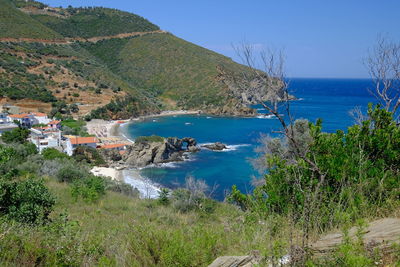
(90, 189)
(26, 201)
(88, 155)
(121, 187)
(18, 135)
(360, 169)
(71, 173)
(192, 197)
(152, 138)
(52, 153)
(163, 197)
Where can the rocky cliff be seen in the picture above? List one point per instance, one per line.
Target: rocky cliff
(144, 153)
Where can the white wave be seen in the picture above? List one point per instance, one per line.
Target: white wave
(188, 123)
(154, 120)
(208, 117)
(229, 147)
(235, 147)
(147, 188)
(265, 116)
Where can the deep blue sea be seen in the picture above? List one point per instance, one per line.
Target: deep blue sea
(328, 99)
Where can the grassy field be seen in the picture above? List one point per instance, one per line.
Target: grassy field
(121, 231)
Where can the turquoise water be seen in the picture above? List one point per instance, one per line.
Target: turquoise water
(329, 99)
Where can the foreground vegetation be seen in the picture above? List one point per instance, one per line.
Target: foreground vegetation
(54, 212)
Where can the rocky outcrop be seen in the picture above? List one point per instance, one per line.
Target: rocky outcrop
(238, 261)
(250, 88)
(141, 154)
(215, 146)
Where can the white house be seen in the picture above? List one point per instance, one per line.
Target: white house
(41, 117)
(5, 125)
(45, 137)
(3, 118)
(75, 141)
(55, 124)
(24, 119)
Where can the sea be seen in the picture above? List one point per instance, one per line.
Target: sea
(331, 100)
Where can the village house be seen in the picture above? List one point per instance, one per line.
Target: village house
(46, 137)
(55, 124)
(5, 125)
(73, 142)
(24, 119)
(41, 118)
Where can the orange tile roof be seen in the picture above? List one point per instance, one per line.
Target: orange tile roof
(43, 128)
(54, 122)
(39, 114)
(19, 116)
(112, 146)
(77, 140)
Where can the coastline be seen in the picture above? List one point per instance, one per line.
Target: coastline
(111, 132)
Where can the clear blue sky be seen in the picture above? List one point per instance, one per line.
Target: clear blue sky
(321, 38)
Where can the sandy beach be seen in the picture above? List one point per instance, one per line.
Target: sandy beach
(113, 173)
(110, 132)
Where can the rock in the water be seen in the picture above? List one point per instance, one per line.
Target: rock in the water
(215, 146)
(141, 154)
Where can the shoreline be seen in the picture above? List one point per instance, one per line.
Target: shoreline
(111, 132)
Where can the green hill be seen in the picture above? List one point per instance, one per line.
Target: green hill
(17, 24)
(154, 68)
(97, 21)
(169, 67)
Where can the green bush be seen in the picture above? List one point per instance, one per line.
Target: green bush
(25, 200)
(17, 135)
(121, 187)
(152, 138)
(88, 155)
(70, 174)
(361, 170)
(52, 153)
(90, 189)
(163, 197)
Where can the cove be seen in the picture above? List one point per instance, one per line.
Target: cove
(328, 99)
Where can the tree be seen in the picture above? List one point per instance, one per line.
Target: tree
(383, 64)
(17, 135)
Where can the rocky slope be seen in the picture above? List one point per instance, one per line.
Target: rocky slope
(147, 152)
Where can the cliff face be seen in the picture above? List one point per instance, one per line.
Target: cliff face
(142, 154)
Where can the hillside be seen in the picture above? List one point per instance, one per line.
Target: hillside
(17, 24)
(92, 22)
(178, 72)
(75, 54)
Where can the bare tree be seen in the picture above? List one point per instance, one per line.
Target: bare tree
(267, 71)
(383, 64)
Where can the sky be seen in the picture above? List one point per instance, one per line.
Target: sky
(320, 38)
